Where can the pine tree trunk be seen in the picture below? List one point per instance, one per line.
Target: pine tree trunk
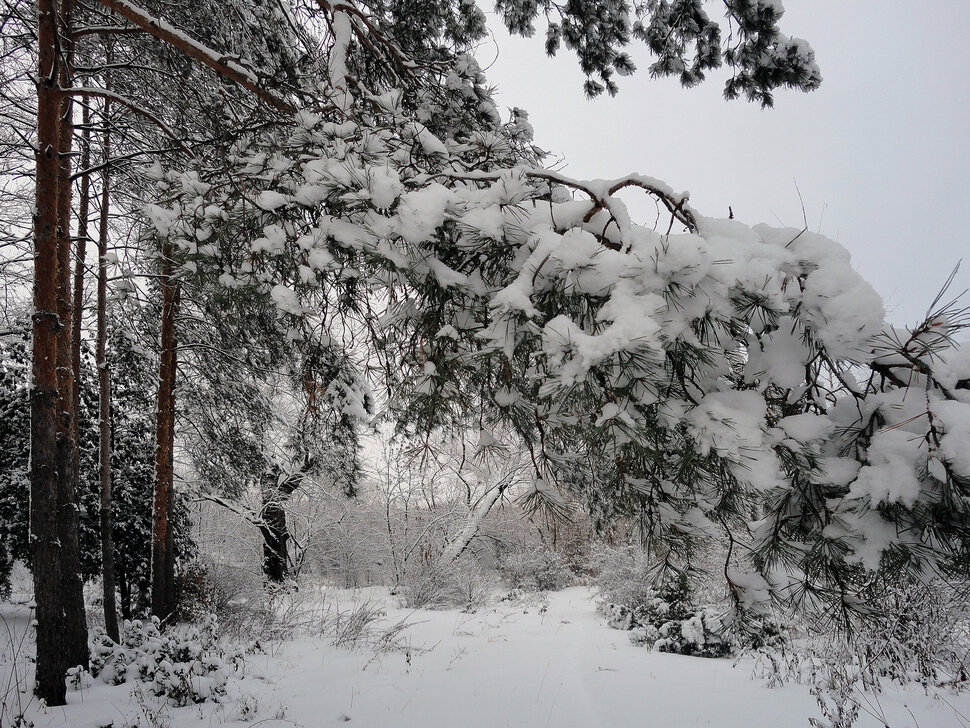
(60, 627)
(104, 403)
(76, 644)
(163, 552)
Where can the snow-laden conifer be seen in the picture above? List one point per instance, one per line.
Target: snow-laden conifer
(707, 379)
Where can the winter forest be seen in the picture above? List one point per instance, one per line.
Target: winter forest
(328, 395)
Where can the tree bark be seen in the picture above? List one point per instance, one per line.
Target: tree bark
(124, 589)
(104, 402)
(76, 645)
(277, 489)
(60, 626)
(276, 536)
(163, 551)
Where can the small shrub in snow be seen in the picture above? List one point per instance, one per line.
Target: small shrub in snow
(361, 627)
(354, 627)
(838, 704)
(672, 627)
(184, 665)
(527, 600)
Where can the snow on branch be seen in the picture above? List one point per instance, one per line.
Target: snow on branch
(231, 68)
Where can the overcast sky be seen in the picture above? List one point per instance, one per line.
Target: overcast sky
(880, 154)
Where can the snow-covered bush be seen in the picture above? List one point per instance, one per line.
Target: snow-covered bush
(183, 664)
(665, 622)
(655, 605)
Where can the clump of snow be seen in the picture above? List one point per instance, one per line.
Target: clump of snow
(954, 445)
(806, 427)
(421, 212)
(890, 476)
(385, 186)
(286, 300)
(271, 200)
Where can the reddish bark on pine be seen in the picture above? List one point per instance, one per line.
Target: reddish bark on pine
(76, 642)
(163, 544)
(53, 517)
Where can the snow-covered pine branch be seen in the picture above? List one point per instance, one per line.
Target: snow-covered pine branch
(698, 378)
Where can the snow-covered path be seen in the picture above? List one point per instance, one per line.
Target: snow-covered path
(508, 665)
(519, 666)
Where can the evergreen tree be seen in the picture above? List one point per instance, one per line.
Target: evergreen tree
(132, 456)
(708, 380)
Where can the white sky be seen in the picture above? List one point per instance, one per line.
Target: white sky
(880, 154)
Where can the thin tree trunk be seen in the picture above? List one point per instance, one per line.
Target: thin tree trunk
(80, 251)
(473, 523)
(124, 588)
(104, 402)
(60, 626)
(163, 556)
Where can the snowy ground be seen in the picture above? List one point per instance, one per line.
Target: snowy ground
(508, 665)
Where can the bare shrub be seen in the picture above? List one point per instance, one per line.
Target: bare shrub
(535, 569)
(464, 584)
(356, 626)
(624, 575)
(241, 602)
(915, 632)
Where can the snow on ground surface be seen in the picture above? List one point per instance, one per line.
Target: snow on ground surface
(536, 662)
